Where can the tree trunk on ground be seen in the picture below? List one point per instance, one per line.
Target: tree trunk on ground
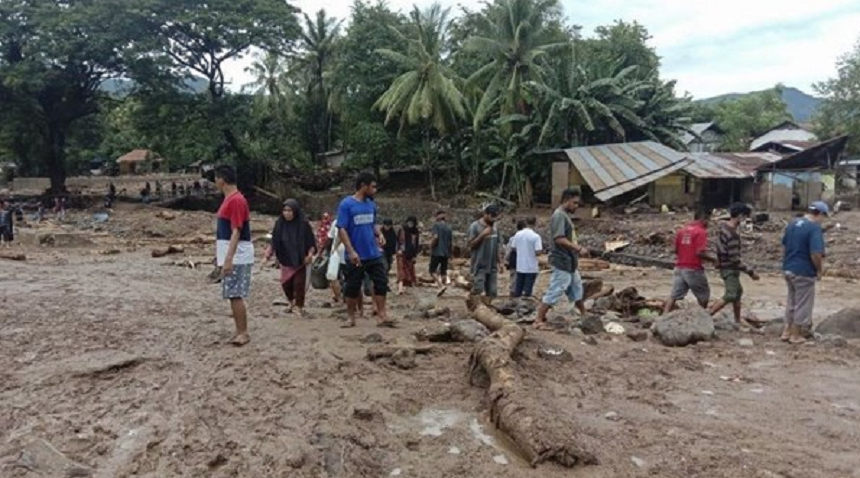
(56, 159)
(537, 432)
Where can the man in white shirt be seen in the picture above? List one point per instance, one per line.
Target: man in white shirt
(527, 244)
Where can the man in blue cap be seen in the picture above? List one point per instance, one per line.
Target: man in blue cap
(803, 265)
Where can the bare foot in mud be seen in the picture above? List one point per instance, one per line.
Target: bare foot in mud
(542, 326)
(240, 340)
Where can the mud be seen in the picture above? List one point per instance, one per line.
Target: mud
(118, 362)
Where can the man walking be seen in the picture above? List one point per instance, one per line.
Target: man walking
(234, 250)
(691, 248)
(441, 247)
(483, 237)
(564, 259)
(527, 245)
(729, 262)
(803, 265)
(356, 224)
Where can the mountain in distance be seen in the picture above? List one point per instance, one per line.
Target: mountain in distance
(801, 106)
(123, 86)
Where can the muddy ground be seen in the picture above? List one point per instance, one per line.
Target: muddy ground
(118, 361)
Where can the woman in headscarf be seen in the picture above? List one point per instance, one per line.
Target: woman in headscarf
(408, 248)
(294, 244)
(323, 231)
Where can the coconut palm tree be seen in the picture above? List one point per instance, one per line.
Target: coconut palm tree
(426, 94)
(318, 47)
(268, 68)
(517, 42)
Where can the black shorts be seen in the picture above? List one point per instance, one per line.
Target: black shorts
(439, 263)
(375, 270)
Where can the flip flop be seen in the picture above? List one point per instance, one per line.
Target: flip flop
(442, 291)
(236, 342)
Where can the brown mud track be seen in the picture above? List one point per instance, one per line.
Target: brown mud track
(119, 362)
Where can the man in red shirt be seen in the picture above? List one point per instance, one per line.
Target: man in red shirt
(234, 250)
(691, 249)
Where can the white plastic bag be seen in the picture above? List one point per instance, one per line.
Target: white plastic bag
(333, 261)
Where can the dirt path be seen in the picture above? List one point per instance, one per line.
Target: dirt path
(119, 362)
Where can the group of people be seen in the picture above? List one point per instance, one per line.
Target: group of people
(365, 250)
(802, 266)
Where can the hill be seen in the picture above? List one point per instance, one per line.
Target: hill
(800, 105)
(123, 86)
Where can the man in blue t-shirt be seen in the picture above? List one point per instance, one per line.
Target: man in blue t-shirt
(358, 232)
(802, 265)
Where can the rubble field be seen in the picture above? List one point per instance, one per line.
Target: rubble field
(114, 364)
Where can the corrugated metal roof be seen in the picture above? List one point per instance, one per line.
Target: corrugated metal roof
(697, 128)
(727, 165)
(614, 169)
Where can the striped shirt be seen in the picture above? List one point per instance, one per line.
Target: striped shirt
(729, 249)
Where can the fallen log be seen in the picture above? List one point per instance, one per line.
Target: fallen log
(592, 265)
(591, 287)
(386, 351)
(538, 433)
(12, 256)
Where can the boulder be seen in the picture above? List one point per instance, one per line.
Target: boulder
(684, 327)
(591, 324)
(845, 323)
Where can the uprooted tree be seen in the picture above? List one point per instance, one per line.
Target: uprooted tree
(515, 410)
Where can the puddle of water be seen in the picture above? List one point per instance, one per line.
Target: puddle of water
(479, 434)
(434, 422)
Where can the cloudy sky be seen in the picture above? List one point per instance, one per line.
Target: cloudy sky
(711, 47)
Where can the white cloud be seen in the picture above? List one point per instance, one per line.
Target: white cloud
(711, 47)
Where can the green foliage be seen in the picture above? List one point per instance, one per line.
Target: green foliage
(744, 118)
(840, 112)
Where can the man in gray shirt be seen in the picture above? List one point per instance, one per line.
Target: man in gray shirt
(486, 254)
(440, 250)
(564, 259)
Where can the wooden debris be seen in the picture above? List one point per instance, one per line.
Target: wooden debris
(591, 288)
(12, 256)
(593, 265)
(109, 252)
(166, 215)
(168, 251)
(537, 432)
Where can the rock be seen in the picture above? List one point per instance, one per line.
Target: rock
(454, 450)
(832, 340)
(614, 328)
(468, 330)
(726, 324)
(845, 323)
(44, 458)
(639, 462)
(637, 335)
(591, 324)
(437, 312)
(365, 414)
(684, 327)
(612, 416)
(774, 328)
(373, 338)
(507, 308)
(590, 340)
(427, 303)
(746, 343)
(500, 459)
(611, 316)
(404, 359)
(607, 303)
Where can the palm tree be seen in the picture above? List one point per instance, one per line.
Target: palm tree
(588, 103)
(268, 70)
(426, 93)
(516, 42)
(318, 44)
(665, 117)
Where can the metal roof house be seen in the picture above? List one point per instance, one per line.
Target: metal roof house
(788, 135)
(703, 137)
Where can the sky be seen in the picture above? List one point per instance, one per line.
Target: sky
(711, 47)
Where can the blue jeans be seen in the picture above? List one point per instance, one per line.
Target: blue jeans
(564, 283)
(525, 284)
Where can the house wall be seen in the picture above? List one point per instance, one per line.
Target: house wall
(775, 192)
(708, 144)
(671, 191)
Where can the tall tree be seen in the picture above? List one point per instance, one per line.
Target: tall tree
(744, 118)
(840, 112)
(54, 56)
(426, 94)
(517, 42)
(318, 49)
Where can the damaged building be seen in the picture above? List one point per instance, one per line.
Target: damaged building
(616, 173)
